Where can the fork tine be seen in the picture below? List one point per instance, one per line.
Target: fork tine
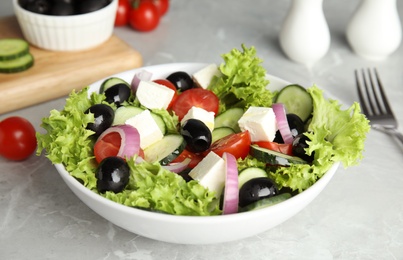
(363, 101)
(382, 92)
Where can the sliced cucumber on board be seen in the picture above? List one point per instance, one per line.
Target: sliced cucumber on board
(12, 48)
(165, 150)
(273, 157)
(221, 132)
(296, 100)
(17, 65)
(250, 173)
(229, 118)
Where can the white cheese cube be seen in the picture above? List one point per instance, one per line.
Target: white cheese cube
(204, 76)
(260, 122)
(210, 173)
(154, 95)
(201, 114)
(147, 128)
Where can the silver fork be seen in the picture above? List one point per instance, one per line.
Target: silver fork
(375, 104)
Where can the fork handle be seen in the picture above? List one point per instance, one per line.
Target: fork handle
(392, 131)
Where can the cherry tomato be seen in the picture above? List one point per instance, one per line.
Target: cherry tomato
(168, 84)
(197, 97)
(162, 6)
(122, 13)
(281, 148)
(144, 16)
(237, 144)
(195, 158)
(108, 146)
(17, 138)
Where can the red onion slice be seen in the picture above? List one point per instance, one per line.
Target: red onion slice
(139, 76)
(231, 190)
(282, 123)
(130, 140)
(178, 167)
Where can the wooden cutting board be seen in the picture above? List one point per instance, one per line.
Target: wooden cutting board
(56, 74)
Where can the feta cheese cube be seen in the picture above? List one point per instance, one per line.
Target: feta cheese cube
(210, 173)
(260, 122)
(154, 95)
(201, 114)
(147, 128)
(204, 76)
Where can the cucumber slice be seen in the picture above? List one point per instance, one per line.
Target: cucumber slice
(221, 132)
(250, 173)
(17, 65)
(273, 157)
(296, 100)
(111, 82)
(229, 119)
(124, 113)
(165, 150)
(266, 202)
(11, 48)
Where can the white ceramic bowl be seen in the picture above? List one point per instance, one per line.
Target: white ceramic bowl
(193, 229)
(67, 33)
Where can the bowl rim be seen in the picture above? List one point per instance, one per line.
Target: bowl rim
(319, 184)
(19, 8)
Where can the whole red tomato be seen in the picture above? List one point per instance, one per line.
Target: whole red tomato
(144, 16)
(162, 6)
(122, 13)
(17, 138)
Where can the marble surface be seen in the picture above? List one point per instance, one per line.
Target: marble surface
(358, 216)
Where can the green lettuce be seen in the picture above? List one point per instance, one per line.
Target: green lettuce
(154, 188)
(67, 140)
(336, 135)
(243, 81)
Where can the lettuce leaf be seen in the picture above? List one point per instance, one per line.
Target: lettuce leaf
(336, 136)
(243, 81)
(154, 188)
(67, 140)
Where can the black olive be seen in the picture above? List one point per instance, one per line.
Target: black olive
(37, 6)
(182, 80)
(117, 94)
(103, 118)
(185, 175)
(296, 126)
(197, 135)
(64, 1)
(298, 148)
(256, 189)
(87, 6)
(62, 8)
(112, 175)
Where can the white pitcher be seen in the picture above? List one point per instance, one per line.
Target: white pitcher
(374, 31)
(305, 36)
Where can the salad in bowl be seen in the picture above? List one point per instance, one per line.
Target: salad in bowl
(200, 153)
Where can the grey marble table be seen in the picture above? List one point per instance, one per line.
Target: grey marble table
(358, 216)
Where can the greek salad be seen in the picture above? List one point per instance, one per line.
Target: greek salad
(217, 141)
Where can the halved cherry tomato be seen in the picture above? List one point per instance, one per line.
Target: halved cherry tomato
(274, 146)
(197, 97)
(237, 144)
(195, 158)
(122, 13)
(108, 146)
(17, 138)
(168, 84)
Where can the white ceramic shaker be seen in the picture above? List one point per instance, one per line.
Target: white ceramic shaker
(374, 31)
(305, 36)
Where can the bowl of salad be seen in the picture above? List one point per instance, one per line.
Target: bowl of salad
(195, 153)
